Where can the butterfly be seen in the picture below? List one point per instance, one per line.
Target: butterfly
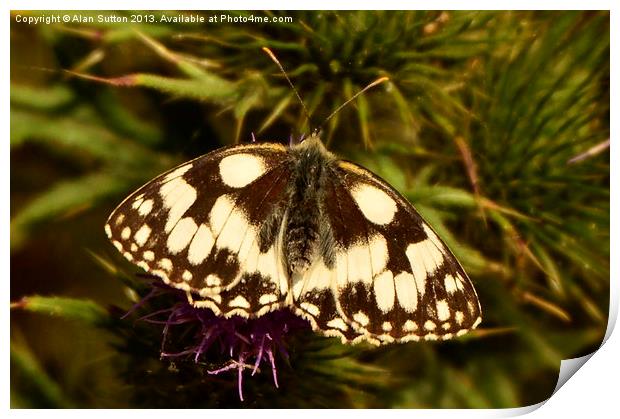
(253, 228)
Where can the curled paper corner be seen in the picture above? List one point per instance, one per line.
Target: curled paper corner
(568, 367)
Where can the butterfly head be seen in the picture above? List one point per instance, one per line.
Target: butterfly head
(311, 156)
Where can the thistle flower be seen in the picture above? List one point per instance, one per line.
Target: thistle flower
(249, 343)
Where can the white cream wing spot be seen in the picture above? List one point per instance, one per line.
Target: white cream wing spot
(320, 276)
(459, 317)
(310, 308)
(378, 253)
(341, 269)
(120, 219)
(126, 233)
(142, 235)
(134, 247)
(338, 323)
(267, 299)
(358, 263)
(146, 207)
(443, 311)
(118, 245)
(187, 276)
(220, 212)
(433, 238)
(201, 245)
(137, 202)
(250, 240)
(406, 291)
(317, 278)
(213, 280)
(430, 325)
(239, 301)
(163, 275)
(386, 326)
(417, 260)
(234, 231)
(239, 170)
(282, 280)
(165, 264)
(250, 262)
(181, 235)
(148, 255)
(471, 308)
(376, 205)
(410, 326)
(178, 196)
(435, 255)
(177, 172)
(361, 318)
(450, 284)
(267, 265)
(425, 254)
(108, 230)
(383, 288)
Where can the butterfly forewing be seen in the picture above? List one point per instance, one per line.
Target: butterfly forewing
(197, 227)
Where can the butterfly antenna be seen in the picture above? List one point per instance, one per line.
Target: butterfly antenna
(275, 60)
(371, 85)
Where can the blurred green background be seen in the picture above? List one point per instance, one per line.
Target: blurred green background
(494, 124)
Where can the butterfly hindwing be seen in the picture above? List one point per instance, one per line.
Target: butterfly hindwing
(198, 228)
(393, 279)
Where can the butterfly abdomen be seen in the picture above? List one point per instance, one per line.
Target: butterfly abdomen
(301, 236)
(303, 233)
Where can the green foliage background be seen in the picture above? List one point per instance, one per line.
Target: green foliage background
(477, 127)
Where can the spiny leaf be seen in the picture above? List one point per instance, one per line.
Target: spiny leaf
(69, 308)
(26, 372)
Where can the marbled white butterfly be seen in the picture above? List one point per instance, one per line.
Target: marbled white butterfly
(253, 228)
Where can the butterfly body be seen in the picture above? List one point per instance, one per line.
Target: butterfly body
(304, 234)
(253, 228)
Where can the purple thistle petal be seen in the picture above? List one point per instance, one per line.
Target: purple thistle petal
(255, 340)
(176, 354)
(273, 367)
(259, 357)
(240, 375)
(147, 317)
(152, 293)
(225, 368)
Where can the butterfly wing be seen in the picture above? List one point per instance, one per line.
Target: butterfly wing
(198, 227)
(393, 279)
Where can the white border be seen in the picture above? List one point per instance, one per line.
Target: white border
(592, 393)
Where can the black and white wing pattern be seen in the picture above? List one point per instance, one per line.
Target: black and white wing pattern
(197, 227)
(392, 279)
(248, 229)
